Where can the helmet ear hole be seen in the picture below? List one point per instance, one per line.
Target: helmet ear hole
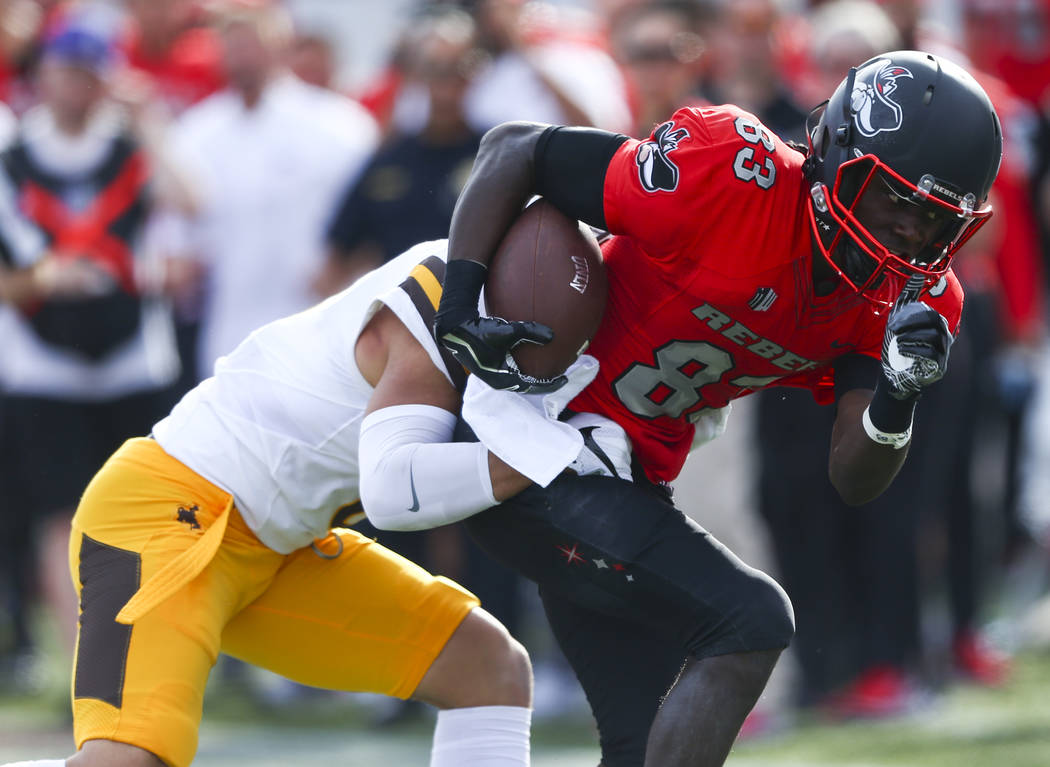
(825, 138)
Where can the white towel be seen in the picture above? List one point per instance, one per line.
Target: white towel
(523, 430)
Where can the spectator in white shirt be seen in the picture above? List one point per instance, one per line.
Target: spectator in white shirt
(270, 155)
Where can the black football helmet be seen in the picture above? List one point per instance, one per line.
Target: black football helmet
(918, 130)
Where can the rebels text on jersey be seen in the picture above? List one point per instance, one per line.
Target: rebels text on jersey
(710, 288)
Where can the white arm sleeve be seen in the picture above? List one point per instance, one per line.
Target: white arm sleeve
(413, 476)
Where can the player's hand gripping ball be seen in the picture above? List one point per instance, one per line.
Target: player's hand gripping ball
(483, 344)
(546, 290)
(548, 269)
(916, 344)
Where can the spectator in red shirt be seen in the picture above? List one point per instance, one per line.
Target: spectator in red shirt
(168, 42)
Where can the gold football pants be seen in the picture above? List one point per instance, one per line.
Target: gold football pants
(160, 598)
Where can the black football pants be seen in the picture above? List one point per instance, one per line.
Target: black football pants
(631, 587)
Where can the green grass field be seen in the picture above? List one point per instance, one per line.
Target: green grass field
(963, 727)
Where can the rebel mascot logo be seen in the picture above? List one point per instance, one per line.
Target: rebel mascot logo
(873, 109)
(656, 171)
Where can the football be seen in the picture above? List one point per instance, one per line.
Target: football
(548, 269)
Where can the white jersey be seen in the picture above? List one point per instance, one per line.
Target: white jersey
(277, 424)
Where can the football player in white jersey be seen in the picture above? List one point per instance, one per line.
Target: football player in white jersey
(223, 532)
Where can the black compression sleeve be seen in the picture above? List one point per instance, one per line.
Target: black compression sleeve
(570, 166)
(859, 371)
(855, 371)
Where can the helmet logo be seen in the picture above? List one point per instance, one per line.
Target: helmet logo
(656, 170)
(873, 109)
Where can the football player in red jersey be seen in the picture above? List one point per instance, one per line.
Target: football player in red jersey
(736, 262)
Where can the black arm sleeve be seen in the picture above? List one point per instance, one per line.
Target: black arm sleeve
(570, 166)
(855, 371)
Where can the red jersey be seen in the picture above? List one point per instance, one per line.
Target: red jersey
(710, 287)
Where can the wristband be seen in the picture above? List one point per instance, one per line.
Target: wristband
(463, 282)
(896, 440)
(888, 413)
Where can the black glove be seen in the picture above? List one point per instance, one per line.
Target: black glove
(483, 344)
(916, 345)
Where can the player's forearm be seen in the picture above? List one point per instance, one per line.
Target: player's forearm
(500, 184)
(413, 477)
(860, 468)
(506, 482)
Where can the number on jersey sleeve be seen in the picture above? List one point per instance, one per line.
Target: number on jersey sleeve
(751, 164)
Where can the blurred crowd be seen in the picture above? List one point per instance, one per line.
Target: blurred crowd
(176, 173)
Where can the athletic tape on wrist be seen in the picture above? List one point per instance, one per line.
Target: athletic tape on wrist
(895, 440)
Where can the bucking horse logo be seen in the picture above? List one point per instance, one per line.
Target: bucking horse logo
(656, 171)
(873, 109)
(189, 516)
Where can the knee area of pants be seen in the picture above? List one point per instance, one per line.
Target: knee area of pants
(768, 615)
